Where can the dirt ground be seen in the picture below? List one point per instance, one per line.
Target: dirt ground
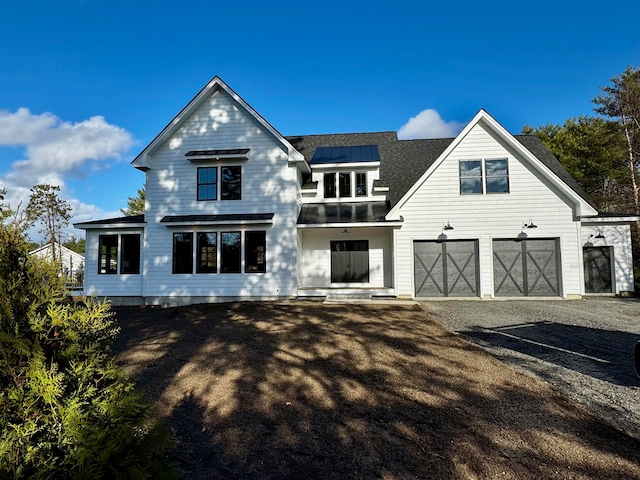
(307, 390)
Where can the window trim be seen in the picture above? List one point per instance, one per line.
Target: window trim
(483, 176)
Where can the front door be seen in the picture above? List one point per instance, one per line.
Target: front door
(597, 270)
(350, 261)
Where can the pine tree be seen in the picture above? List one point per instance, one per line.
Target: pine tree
(67, 410)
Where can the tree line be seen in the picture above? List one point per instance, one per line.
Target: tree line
(602, 152)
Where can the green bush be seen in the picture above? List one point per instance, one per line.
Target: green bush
(67, 410)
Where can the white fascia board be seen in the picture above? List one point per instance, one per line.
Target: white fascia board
(482, 115)
(185, 113)
(625, 219)
(345, 165)
(106, 226)
(397, 224)
(214, 223)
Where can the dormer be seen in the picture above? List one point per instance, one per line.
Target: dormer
(343, 174)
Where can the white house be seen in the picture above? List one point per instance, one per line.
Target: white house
(235, 210)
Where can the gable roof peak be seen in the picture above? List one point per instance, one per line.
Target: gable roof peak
(215, 84)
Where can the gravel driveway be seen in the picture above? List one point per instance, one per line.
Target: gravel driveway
(583, 347)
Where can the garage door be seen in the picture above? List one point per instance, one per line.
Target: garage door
(525, 268)
(446, 269)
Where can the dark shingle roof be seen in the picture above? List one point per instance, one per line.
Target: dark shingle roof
(402, 162)
(535, 146)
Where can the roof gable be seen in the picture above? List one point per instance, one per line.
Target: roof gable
(540, 158)
(141, 161)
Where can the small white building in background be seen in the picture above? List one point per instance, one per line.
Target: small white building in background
(236, 211)
(70, 261)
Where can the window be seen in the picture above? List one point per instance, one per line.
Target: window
(182, 253)
(345, 184)
(230, 183)
(329, 185)
(497, 176)
(207, 257)
(207, 183)
(108, 254)
(130, 253)
(361, 184)
(488, 176)
(230, 260)
(254, 252)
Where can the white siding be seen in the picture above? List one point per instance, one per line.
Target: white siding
(489, 216)
(617, 236)
(100, 285)
(269, 185)
(316, 255)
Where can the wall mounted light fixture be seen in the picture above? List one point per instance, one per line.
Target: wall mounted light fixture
(598, 234)
(529, 224)
(447, 226)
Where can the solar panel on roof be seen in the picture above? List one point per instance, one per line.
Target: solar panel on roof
(353, 154)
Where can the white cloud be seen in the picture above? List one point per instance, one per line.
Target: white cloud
(429, 124)
(56, 150)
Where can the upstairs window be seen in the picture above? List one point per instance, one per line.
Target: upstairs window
(361, 184)
(230, 183)
(208, 183)
(484, 176)
(329, 185)
(345, 184)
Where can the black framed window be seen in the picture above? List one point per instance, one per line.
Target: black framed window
(484, 176)
(108, 254)
(361, 184)
(470, 176)
(255, 248)
(497, 176)
(183, 253)
(329, 185)
(230, 260)
(207, 183)
(207, 256)
(345, 184)
(231, 183)
(130, 253)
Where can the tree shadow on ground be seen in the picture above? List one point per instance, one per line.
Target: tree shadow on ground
(603, 354)
(305, 390)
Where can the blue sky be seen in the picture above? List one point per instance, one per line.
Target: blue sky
(86, 84)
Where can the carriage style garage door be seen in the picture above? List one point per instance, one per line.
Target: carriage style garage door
(525, 268)
(446, 269)
(598, 276)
